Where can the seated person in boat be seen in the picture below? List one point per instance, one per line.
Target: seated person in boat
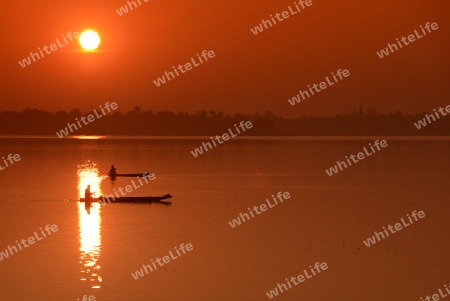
(112, 171)
(87, 193)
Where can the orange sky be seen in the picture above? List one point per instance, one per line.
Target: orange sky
(248, 74)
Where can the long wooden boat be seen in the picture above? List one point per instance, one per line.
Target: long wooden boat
(134, 175)
(129, 175)
(135, 199)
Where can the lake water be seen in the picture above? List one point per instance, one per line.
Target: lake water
(325, 220)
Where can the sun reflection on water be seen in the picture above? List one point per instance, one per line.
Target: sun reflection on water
(89, 226)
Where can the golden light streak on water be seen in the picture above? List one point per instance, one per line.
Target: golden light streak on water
(89, 226)
(92, 137)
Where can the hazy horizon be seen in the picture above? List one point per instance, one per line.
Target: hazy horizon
(107, 121)
(231, 112)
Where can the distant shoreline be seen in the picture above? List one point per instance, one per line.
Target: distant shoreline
(138, 123)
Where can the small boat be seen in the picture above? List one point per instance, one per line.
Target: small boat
(134, 199)
(129, 175)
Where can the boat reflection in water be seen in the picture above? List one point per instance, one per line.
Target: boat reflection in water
(89, 225)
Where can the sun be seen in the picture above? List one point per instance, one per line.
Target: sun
(89, 40)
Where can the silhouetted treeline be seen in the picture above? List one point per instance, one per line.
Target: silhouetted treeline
(207, 123)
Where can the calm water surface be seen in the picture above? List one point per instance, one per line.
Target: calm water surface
(326, 220)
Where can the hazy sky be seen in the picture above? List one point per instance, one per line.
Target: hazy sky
(250, 73)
